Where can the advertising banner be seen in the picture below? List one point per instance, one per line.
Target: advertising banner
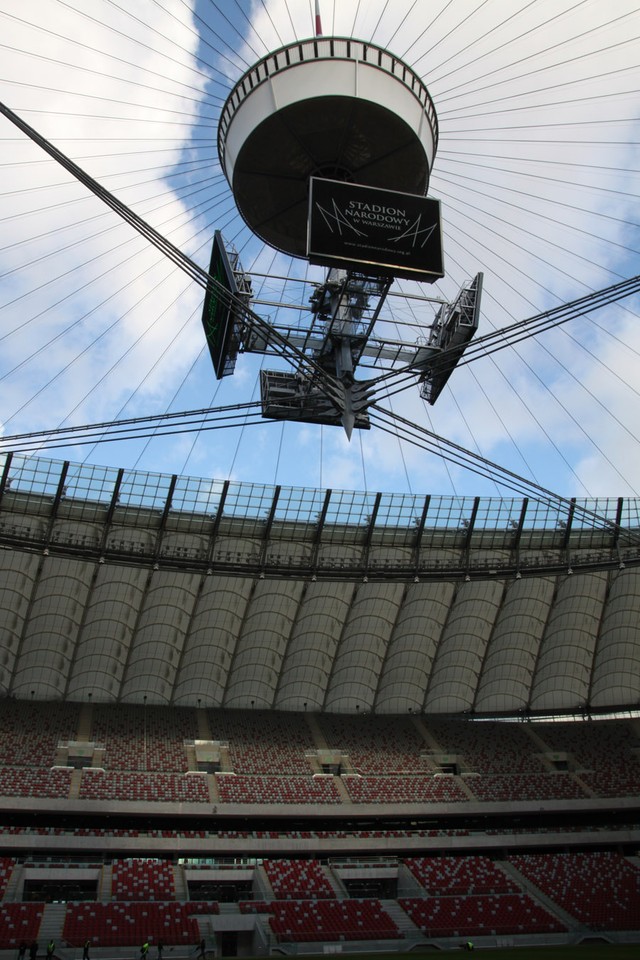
(380, 232)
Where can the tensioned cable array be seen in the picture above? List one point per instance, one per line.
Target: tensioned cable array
(447, 60)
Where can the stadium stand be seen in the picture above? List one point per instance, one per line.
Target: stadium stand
(127, 924)
(465, 875)
(19, 922)
(601, 889)
(26, 782)
(262, 743)
(302, 921)
(152, 787)
(321, 864)
(404, 790)
(297, 880)
(473, 916)
(142, 880)
(273, 790)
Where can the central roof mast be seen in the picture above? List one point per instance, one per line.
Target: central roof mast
(328, 144)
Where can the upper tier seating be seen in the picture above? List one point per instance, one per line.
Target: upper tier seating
(376, 745)
(25, 782)
(486, 747)
(262, 743)
(418, 789)
(30, 732)
(606, 760)
(150, 787)
(277, 789)
(144, 738)
(526, 786)
(6, 868)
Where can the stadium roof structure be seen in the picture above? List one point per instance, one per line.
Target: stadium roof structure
(148, 588)
(119, 585)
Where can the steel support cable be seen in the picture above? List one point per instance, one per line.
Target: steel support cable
(400, 378)
(200, 38)
(130, 348)
(403, 20)
(511, 41)
(199, 274)
(454, 156)
(275, 29)
(233, 26)
(71, 326)
(528, 408)
(111, 56)
(555, 358)
(151, 433)
(247, 20)
(99, 73)
(428, 27)
(518, 332)
(523, 329)
(82, 94)
(196, 185)
(461, 457)
(84, 240)
(293, 28)
(456, 180)
(556, 124)
(493, 471)
(87, 283)
(180, 195)
(537, 214)
(477, 40)
(563, 44)
(453, 114)
(453, 29)
(68, 436)
(499, 419)
(166, 122)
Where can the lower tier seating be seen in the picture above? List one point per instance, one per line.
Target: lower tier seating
(142, 880)
(309, 921)
(18, 922)
(462, 874)
(127, 924)
(601, 889)
(499, 914)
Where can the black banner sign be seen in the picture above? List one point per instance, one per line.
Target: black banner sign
(384, 232)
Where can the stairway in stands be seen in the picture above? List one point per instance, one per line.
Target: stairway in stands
(403, 922)
(52, 924)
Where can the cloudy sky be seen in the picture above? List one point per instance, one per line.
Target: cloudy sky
(537, 171)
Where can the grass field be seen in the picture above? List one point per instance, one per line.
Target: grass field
(604, 951)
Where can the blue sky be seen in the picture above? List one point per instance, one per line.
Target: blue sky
(537, 172)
